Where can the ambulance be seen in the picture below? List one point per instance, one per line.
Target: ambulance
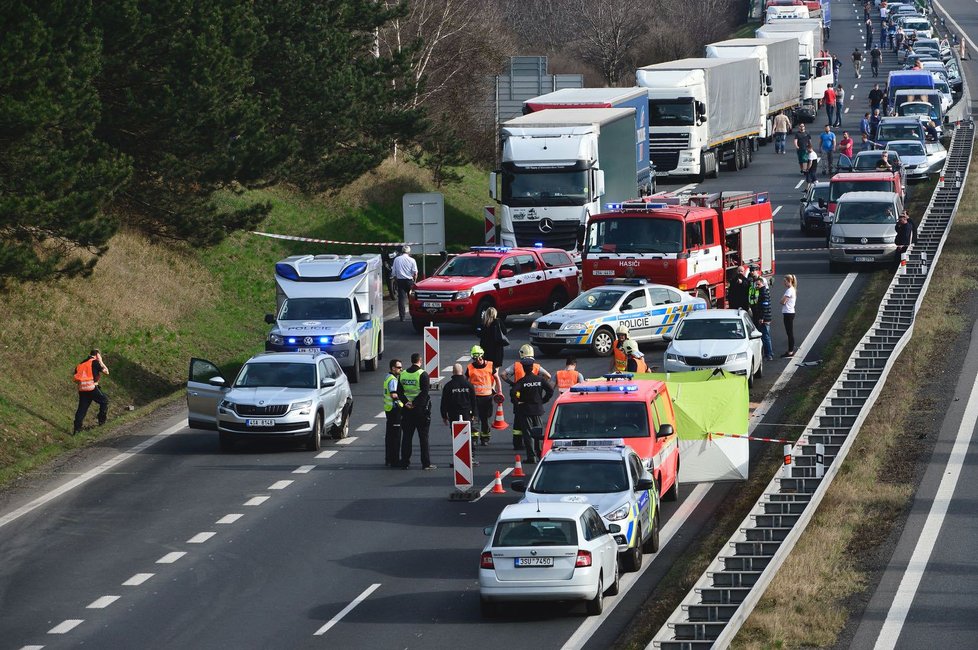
(330, 303)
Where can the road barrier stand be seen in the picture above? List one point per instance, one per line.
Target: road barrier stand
(462, 461)
(518, 469)
(432, 354)
(497, 486)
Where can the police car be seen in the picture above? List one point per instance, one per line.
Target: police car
(609, 476)
(590, 320)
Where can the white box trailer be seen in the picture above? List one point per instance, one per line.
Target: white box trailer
(814, 66)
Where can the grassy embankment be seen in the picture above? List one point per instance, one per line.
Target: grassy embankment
(151, 307)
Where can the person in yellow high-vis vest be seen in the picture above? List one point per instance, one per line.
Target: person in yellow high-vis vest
(87, 374)
(393, 410)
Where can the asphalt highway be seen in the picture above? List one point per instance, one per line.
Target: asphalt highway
(182, 546)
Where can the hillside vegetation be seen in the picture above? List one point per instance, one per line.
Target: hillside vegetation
(150, 307)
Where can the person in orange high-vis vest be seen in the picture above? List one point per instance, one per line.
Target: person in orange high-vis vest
(618, 357)
(514, 373)
(87, 374)
(482, 375)
(569, 375)
(635, 359)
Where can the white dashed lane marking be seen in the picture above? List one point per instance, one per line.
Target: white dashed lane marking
(32, 647)
(66, 626)
(303, 469)
(279, 485)
(137, 579)
(200, 538)
(103, 602)
(367, 427)
(170, 558)
(346, 441)
(256, 501)
(776, 211)
(381, 416)
(229, 519)
(799, 183)
(329, 453)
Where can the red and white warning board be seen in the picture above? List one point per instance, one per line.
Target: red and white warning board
(462, 454)
(489, 219)
(432, 351)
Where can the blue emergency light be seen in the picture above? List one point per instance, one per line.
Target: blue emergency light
(605, 388)
(616, 376)
(489, 249)
(538, 244)
(286, 271)
(632, 282)
(629, 205)
(353, 270)
(604, 443)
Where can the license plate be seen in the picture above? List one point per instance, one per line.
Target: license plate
(546, 335)
(534, 561)
(431, 305)
(865, 259)
(307, 350)
(263, 422)
(603, 272)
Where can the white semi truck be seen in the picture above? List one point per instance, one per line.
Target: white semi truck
(814, 65)
(558, 167)
(698, 115)
(777, 72)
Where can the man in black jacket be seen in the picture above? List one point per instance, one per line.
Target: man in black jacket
(760, 310)
(415, 387)
(457, 397)
(737, 289)
(906, 234)
(529, 395)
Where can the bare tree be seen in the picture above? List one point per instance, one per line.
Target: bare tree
(608, 33)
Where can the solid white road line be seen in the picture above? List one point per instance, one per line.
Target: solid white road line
(329, 453)
(228, 519)
(800, 353)
(903, 599)
(367, 427)
(587, 629)
(137, 579)
(280, 485)
(776, 211)
(200, 538)
(256, 501)
(799, 183)
(170, 558)
(102, 602)
(66, 626)
(303, 469)
(89, 475)
(347, 441)
(964, 35)
(503, 474)
(685, 188)
(39, 647)
(346, 610)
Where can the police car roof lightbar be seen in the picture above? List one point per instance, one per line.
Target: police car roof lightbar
(489, 249)
(634, 205)
(606, 388)
(632, 282)
(577, 443)
(618, 376)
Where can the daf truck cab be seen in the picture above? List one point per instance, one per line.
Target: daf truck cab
(332, 303)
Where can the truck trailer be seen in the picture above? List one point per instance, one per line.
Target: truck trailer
(695, 117)
(814, 65)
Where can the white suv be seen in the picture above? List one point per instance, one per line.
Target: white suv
(717, 338)
(275, 396)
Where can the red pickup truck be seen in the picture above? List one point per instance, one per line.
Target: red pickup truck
(513, 280)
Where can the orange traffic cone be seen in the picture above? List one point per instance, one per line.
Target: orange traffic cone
(498, 487)
(500, 421)
(518, 471)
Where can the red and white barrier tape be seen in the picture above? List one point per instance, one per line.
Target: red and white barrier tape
(333, 241)
(710, 434)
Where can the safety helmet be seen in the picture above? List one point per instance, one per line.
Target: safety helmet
(630, 347)
(477, 351)
(623, 329)
(526, 351)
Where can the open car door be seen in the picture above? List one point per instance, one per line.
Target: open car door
(206, 387)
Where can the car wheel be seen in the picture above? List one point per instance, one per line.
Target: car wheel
(760, 368)
(750, 380)
(603, 342)
(616, 585)
(315, 441)
(652, 543)
(704, 293)
(480, 312)
(633, 556)
(487, 608)
(371, 364)
(557, 299)
(596, 605)
(227, 441)
(550, 350)
(342, 429)
(672, 494)
(354, 371)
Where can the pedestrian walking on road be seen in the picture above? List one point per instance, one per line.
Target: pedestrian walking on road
(788, 311)
(416, 386)
(857, 61)
(761, 313)
(864, 125)
(569, 376)
(840, 104)
(782, 125)
(87, 375)
(869, 31)
(484, 377)
(493, 337)
(528, 395)
(811, 167)
(803, 140)
(458, 399)
(875, 58)
(827, 144)
(906, 234)
(874, 121)
(405, 272)
(845, 146)
(393, 410)
(829, 99)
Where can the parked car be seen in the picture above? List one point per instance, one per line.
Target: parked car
(867, 161)
(899, 128)
(720, 338)
(864, 229)
(953, 75)
(814, 210)
(275, 396)
(549, 551)
(916, 160)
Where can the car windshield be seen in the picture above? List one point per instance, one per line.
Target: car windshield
(865, 162)
(596, 300)
(278, 375)
(664, 112)
(535, 532)
(525, 188)
(599, 420)
(918, 109)
(865, 212)
(838, 188)
(820, 192)
(711, 329)
(906, 148)
(580, 477)
(466, 266)
(316, 309)
(899, 132)
(635, 235)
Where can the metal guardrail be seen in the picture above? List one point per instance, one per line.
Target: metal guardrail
(713, 612)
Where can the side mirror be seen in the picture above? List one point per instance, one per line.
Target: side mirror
(327, 382)
(363, 317)
(644, 484)
(492, 186)
(270, 319)
(216, 381)
(536, 433)
(802, 199)
(599, 187)
(518, 486)
(487, 531)
(505, 273)
(756, 335)
(613, 529)
(665, 431)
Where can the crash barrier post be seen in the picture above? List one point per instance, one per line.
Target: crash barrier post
(819, 460)
(786, 469)
(462, 460)
(432, 352)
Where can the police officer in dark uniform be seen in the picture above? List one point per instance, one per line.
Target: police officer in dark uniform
(457, 397)
(415, 384)
(528, 395)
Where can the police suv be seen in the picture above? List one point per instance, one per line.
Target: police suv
(590, 320)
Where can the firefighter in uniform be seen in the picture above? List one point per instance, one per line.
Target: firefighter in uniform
(393, 409)
(618, 358)
(529, 394)
(86, 376)
(415, 384)
(569, 375)
(482, 375)
(514, 373)
(635, 360)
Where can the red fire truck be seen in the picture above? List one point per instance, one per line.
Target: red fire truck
(694, 242)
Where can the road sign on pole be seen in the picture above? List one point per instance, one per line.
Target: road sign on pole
(462, 454)
(432, 352)
(424, 221)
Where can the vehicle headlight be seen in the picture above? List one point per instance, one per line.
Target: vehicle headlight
(275, 339)
(302, 407)
(227, 405)
(739, 356)
(534, 325)
(619, 513)
(341, 339)
(890, 239)
(672, 356)
(836, 239)
(463, 295)
(572, 326)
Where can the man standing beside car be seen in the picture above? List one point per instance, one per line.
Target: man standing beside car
(405, 272)
(416, 385)
(760, 310)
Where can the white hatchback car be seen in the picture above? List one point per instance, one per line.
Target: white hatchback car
(717, 338)
(549, 551)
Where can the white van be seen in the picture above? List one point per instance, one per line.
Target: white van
(863, 229)
(332, 303)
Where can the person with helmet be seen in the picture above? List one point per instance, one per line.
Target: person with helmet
(86, 376)
(393, 405)
(569, 376)
(530, 392)
(514, 373)
(482, 374)
(635, 360)
(618, 358)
